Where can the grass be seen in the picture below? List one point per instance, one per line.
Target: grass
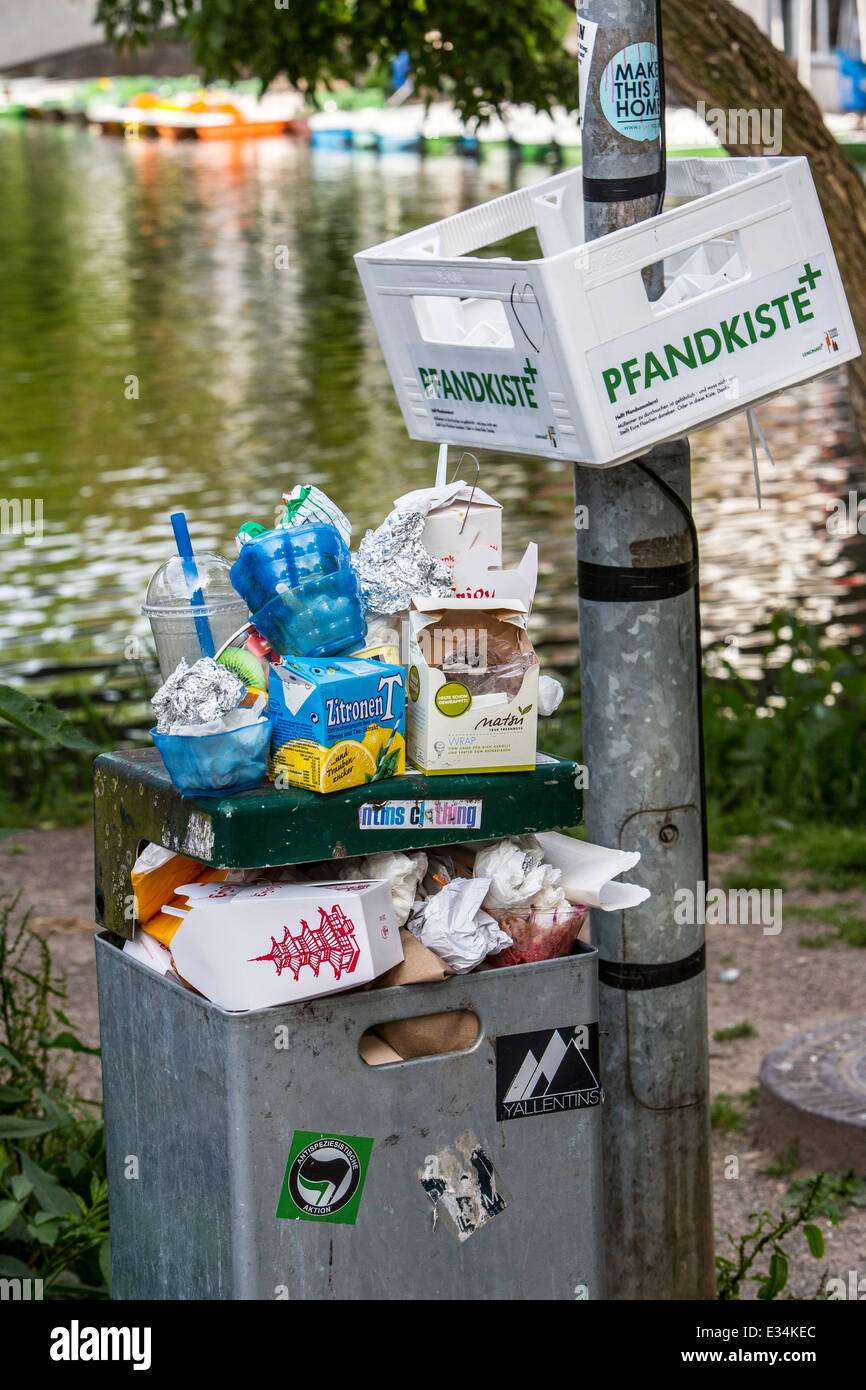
(845, 920)
(729, 1114)
(838, 1191)
(819, 857)
(736, 1030)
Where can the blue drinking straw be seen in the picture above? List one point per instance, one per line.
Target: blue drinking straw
(193, 586)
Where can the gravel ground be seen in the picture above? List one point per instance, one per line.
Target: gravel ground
(782, 990)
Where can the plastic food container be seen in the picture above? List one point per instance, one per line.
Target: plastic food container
(323, 617)
(216, 764)
(543, 935)
(173, 617)
(285, 559)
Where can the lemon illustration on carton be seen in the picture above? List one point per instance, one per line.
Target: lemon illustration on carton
(336, 722)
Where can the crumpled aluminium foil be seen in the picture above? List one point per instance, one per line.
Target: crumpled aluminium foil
(392, 565)
(196, 695)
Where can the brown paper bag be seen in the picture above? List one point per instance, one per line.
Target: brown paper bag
(454, 1031)
(419, 966)
(375, 1052)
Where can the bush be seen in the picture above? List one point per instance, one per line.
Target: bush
(53, 1189)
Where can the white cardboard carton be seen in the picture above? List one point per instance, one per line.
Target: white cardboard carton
(450, 726)
(460, 520)
(250, 946)
(476, 580)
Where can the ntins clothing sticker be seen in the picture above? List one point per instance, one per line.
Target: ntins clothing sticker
(548, 1071)
(324, 1177)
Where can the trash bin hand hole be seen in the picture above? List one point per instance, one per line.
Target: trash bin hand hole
(431, 1035)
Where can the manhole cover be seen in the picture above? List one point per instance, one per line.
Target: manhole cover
(813, 1089)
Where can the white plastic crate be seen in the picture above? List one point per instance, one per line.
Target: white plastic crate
(567, 355)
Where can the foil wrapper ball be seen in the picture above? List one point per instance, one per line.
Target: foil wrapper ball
(196, 694)
(392, 565)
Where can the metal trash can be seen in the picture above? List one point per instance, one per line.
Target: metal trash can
(257, 1156)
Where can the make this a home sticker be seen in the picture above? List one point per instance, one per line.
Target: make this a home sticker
(548, 1071)
(324, 1177)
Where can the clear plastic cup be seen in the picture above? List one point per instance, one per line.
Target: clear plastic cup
(173, 617)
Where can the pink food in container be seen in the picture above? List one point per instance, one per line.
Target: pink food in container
(545, 934)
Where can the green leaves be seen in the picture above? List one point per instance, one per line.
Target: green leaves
(53, 1191)
(772, 1284)
(815, 1238)
(765, 1236)
(46, 722)
(51, 1196)
(482, 55)
(16, 1127)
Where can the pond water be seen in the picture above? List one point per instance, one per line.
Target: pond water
(257, 367)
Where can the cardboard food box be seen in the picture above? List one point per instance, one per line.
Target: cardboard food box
(250, 946)
(473, 687)
(336, 722)
(461, 520)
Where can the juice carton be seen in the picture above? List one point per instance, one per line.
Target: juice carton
(336, 722)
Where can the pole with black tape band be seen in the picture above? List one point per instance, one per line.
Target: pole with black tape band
(624, 974)
(637, 588)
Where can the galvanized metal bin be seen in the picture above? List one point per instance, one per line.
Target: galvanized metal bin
(480, 1171)
(202, 1106)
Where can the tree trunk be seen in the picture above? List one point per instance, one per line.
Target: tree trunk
(715, 52)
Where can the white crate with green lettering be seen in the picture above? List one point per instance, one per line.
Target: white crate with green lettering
(597, 351)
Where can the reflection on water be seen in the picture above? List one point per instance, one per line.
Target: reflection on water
(184, 327)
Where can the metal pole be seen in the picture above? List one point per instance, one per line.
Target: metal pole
(639, 643)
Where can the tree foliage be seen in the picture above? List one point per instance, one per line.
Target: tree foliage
(480, 53)
(514, 53)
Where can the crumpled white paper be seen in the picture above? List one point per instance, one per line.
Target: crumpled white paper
(519, 877)
(453, 924)
(587, 870)
(402, 872)
(550, 693)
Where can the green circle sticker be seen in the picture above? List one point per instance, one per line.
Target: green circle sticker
(452, 699)
(414, 683)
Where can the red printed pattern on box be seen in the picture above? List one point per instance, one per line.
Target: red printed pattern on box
(332, 941)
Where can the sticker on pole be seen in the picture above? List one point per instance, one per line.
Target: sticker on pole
(417, 815)
(324, 1177)
(547, 1072)
(759, 331)
(629, 92)
(586, 32)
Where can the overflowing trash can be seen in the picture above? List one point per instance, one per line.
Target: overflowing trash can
(293, 1152)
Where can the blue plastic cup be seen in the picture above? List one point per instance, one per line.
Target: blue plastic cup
(323, 617)
(285, 559)
(216, 764)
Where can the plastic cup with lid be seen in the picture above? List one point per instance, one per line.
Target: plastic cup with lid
(176, 623)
